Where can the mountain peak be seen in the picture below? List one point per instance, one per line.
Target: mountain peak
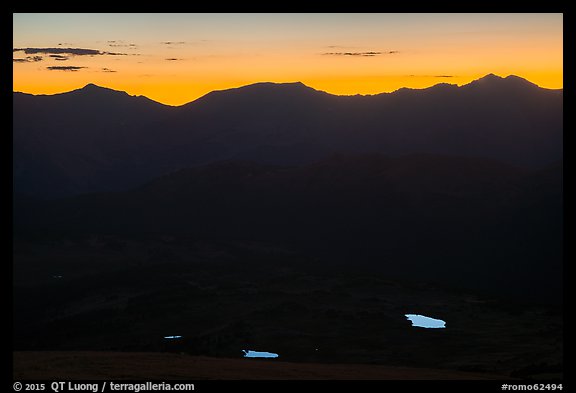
(297, 83)
(264, 92)
(491, 76)
(94, 92)
(91, 87)
(493, 80)
(520, 81)
(292, 86)
(487, 79)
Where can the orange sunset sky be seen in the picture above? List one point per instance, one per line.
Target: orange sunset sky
(176, 58)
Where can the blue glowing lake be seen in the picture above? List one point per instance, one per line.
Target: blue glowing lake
(426, 322)
(256, 354)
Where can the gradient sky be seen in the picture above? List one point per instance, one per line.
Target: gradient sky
(176, 58)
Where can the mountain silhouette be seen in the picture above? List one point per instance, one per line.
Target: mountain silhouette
(97, 139)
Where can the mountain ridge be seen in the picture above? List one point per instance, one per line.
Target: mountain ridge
(99, 139)
(489, 78)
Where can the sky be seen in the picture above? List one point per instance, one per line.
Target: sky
(177, 58)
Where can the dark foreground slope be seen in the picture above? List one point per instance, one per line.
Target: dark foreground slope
(473, 222)
(166, 366)
(124, 294)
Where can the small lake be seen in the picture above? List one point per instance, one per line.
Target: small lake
(425, 322)
(256, 354)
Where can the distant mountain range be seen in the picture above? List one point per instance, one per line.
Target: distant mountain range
(96, 139)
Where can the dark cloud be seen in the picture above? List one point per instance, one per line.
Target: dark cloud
(28, 59)
(64, 68)
(59, 51)
(121, 44)
(108, 70)
(443, 76)
(59, 57)
(173, 42)
(66, 51)
(173, 59)
(364, 54)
